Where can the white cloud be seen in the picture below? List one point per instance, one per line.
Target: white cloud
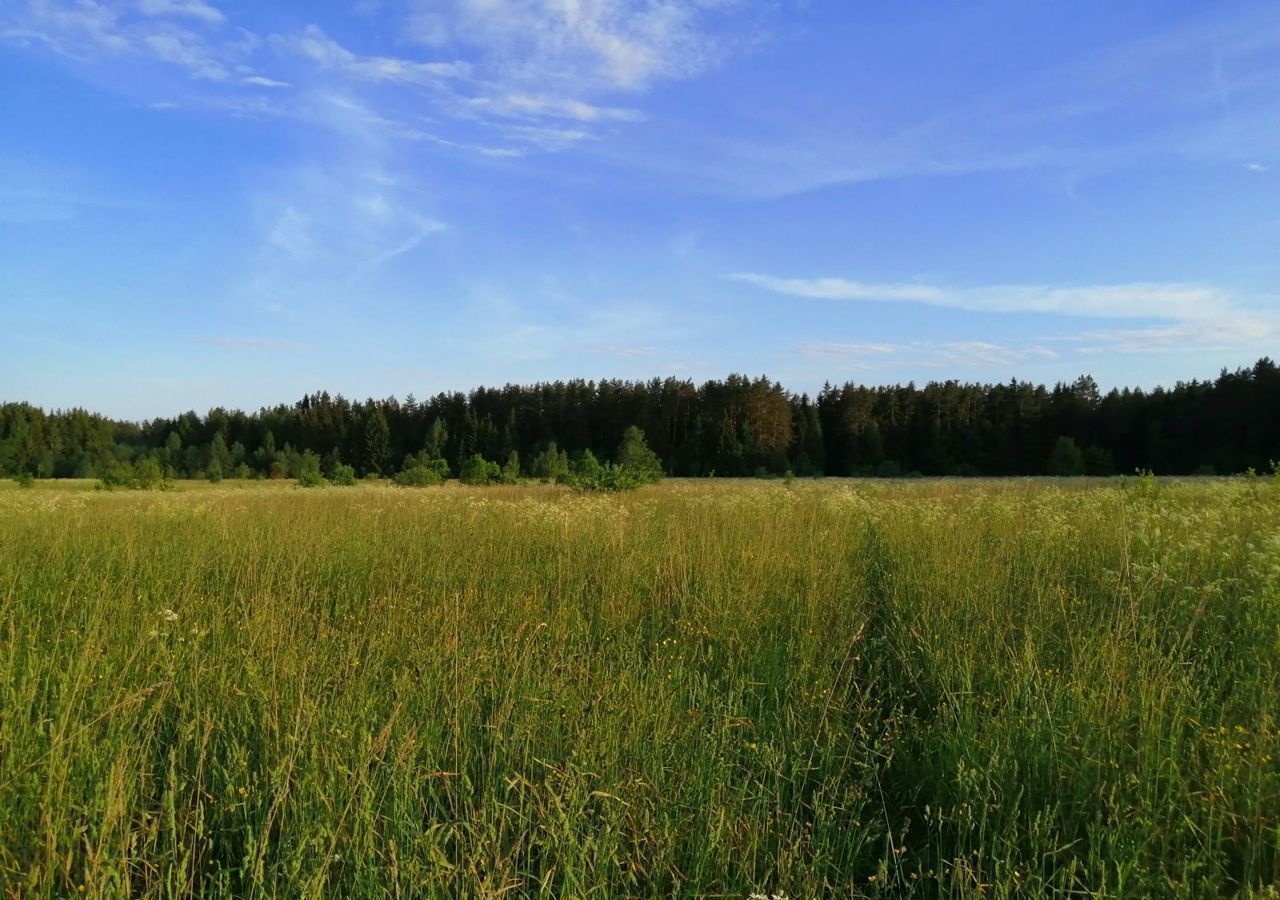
(969, 354)
(1257, 167)
(583, 44)
(175, 32)
(620, 350)
(846, 349)
(1134, 300)
(517, 79)
(988, 354)
(182, 50)
(1189, 317)
(546, 137)
(291, 234)
(231, 343)
(840, 289)
(537, 75)
(1258, 329)
(316, 46)
(553, 107)
(263, 81)
(191, 9)
(335, 224)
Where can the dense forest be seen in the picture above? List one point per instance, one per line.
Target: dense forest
(738, 426)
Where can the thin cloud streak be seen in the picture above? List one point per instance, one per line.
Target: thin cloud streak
(1134, 300)
(1195, 318)
(232, 343)
(927, 354)
(192, 9)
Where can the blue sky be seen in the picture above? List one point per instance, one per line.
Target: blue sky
(233, 202)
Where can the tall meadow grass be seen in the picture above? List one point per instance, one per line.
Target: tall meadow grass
(959, 689)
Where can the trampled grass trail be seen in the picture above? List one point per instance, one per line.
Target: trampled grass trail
(829, 689)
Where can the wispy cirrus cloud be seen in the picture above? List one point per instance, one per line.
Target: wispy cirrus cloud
(1244, 329)
(338, 224)
(190, 9)
(928, 354)
(237, 343)
(1199, 90)
(846, 349)
(523, 67)
(181, 33)
(525, 106)
(962, 353)
(314, 45)
(40, 191)
(587, 45)
(621, 350)
(1134, 300)
(539, 75)
(1187, 316)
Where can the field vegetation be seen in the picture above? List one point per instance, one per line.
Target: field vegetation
(718, 688)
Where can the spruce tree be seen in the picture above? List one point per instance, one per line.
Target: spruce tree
(377, 442)
(1066, 459)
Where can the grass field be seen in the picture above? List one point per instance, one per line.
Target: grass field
(823, 689)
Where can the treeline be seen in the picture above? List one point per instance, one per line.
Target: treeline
(732, 427)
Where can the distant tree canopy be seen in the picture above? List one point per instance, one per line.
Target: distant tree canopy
(737, 426)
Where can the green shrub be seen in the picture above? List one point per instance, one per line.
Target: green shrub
(640, 464)
(309, 474)
(478, 470)
(551, 465)
(421, 470)
(25, 479)
(586, 473)
(343, 475)
(429, 460)
(145, 475)
(214, 472)
(419, 476)
(116, 474)
(510, 473)
(149, 475)
(636, 466)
